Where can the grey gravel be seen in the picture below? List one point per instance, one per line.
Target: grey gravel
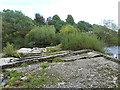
(82, 73)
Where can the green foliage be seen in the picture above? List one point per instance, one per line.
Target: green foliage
(14, 76)
(24, 65)
(68, 29)
(70, 20)
(58, 59)
(56, 21)
(108, 35)
(15, 24)
(44, 65)
(44, 35)
(84, 26)
(56, 17)
(59, 46)
(10, 51)
(76, 41)
(39, 19)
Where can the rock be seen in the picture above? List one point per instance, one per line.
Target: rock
(24, 78)
(7, 60)
(61, 83)
(24, 50)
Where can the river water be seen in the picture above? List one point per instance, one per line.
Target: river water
(114, 50)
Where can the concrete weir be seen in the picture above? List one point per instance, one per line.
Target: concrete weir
(66, 56)
(35, 59)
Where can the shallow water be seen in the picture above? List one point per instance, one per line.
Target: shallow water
(114, 50)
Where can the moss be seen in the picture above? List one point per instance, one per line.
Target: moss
(14, 77)
(24, 65)
(58, 59)
(44, 65)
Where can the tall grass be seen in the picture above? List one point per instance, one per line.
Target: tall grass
(76, 41)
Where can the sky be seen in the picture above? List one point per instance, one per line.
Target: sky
(92, 11)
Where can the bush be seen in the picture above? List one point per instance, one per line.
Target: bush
(68, 29)
(10, 51)
(42, 36)
(58, 59)
(44, 65)
(76, 41)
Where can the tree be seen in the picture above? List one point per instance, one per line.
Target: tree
(68, 29)
(15, 24)
(110, 24)
(39, 19)
(56, 17)
(41, 36)
(108, 35)
(56, 21)
(84, 26)
(70, 20)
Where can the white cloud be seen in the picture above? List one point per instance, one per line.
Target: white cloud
(92, 11)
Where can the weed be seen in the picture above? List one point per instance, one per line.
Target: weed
(24, 65)
(14, 76)
(44, 65)
(14, 60)
(10, 51)
(58, 59)
(107, 58)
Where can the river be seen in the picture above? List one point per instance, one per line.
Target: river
(114, 50)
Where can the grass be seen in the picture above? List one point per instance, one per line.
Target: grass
(58, 59)
(34, 80)
(77, 41)
(10, 51)
(44, 65)
(24, 65)
(13, 77)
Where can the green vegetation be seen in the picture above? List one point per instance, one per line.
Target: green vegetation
(14, 77)
(15, 25)
(108, 35)
(68, 29)
(25, 32)
(58, 59)
(44, 65)
(76, 41)
(10, 51)
(24, 65)
(44, 35)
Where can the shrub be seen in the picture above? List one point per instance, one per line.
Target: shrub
(58, 59)
(10, 51)
(44, 65)
(42, 36)
(68, 29)
(24, 65)
(76, 41)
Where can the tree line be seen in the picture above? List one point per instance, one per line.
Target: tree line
(23, 31)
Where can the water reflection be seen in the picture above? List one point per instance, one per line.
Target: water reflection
(114, 50)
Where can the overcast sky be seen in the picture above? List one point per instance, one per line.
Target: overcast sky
(92, 11)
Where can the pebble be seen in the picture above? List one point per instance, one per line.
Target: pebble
(62, 83)
(24, 78)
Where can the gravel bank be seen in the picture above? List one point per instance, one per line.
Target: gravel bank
(83, 73)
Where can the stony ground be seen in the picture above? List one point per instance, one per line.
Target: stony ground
(92, 72)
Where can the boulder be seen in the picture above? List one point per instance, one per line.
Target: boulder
(24, 50)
